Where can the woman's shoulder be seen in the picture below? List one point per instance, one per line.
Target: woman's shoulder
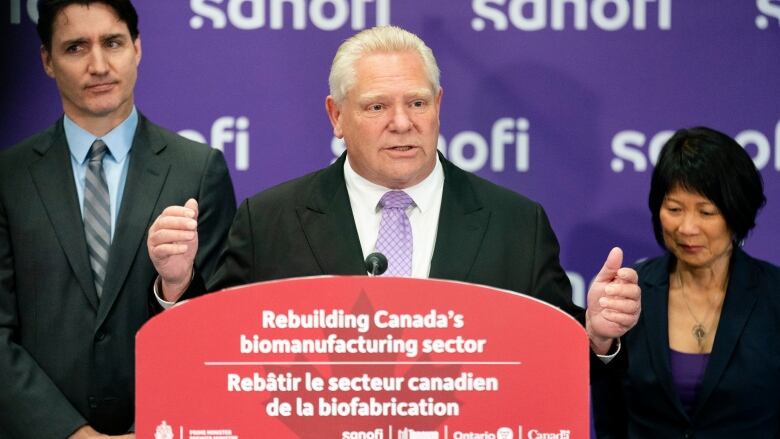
(761, 270)
(653, 267)
(653, 274)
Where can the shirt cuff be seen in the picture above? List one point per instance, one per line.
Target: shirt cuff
(609, 357)
(157, 289)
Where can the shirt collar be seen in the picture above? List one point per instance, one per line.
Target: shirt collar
(424, 193)
(119, 140)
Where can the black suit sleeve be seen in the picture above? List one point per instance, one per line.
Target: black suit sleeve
(217, 208)
(216, 211)
(610, 414)
(550, 282)
(236, 262)
(25, 386)
(552, 285)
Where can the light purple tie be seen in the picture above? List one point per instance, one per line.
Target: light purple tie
(395, 233)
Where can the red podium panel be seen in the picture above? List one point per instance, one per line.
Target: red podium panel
(362, 358)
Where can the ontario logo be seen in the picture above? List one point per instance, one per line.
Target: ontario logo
(505, 433)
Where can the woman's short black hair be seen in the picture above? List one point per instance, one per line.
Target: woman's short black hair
(711, 164)
(49, 9)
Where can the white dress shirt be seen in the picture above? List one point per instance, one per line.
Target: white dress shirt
(423, 214)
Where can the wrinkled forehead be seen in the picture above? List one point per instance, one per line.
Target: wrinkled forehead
(400, 68)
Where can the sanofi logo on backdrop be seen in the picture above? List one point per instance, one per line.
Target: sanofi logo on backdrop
(536, 15)
(526, 15)
(325, 15)
(474, 151)
(637, 151)
(768, 10)
(15, 12)
(226, 130)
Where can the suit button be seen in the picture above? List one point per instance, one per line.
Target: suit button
(689, 434)
(93, 402)
(100, 335)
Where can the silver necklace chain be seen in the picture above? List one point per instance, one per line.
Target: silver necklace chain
(699, 330)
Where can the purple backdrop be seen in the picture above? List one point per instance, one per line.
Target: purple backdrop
(565, 101)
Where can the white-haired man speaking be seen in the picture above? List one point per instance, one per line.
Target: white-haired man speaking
(392, 192)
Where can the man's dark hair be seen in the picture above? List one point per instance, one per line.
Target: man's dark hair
(713, 165)
(49, 9)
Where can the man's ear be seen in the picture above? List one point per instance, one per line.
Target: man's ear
(137, 45)
(46, 61)
(334, 114)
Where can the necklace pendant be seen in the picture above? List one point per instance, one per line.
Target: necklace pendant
(699, 333)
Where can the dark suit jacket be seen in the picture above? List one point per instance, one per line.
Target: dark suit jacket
(67, 358)
(739, 396)
(486, 235)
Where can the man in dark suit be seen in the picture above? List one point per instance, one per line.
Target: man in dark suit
(76, 201)
(385, 100)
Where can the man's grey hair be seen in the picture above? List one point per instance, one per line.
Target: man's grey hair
(378, 39)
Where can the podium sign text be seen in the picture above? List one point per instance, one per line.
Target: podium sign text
(362, 358)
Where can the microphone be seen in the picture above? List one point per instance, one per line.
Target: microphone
(376, 264)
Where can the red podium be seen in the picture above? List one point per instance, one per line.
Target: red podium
(362, 358)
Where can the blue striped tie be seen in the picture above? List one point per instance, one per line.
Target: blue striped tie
(97, 214)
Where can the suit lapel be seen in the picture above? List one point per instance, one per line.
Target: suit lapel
(655, 304)
(328, 223)
(741, 296)
(146, 174)
(462, 226)
(54, 181)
